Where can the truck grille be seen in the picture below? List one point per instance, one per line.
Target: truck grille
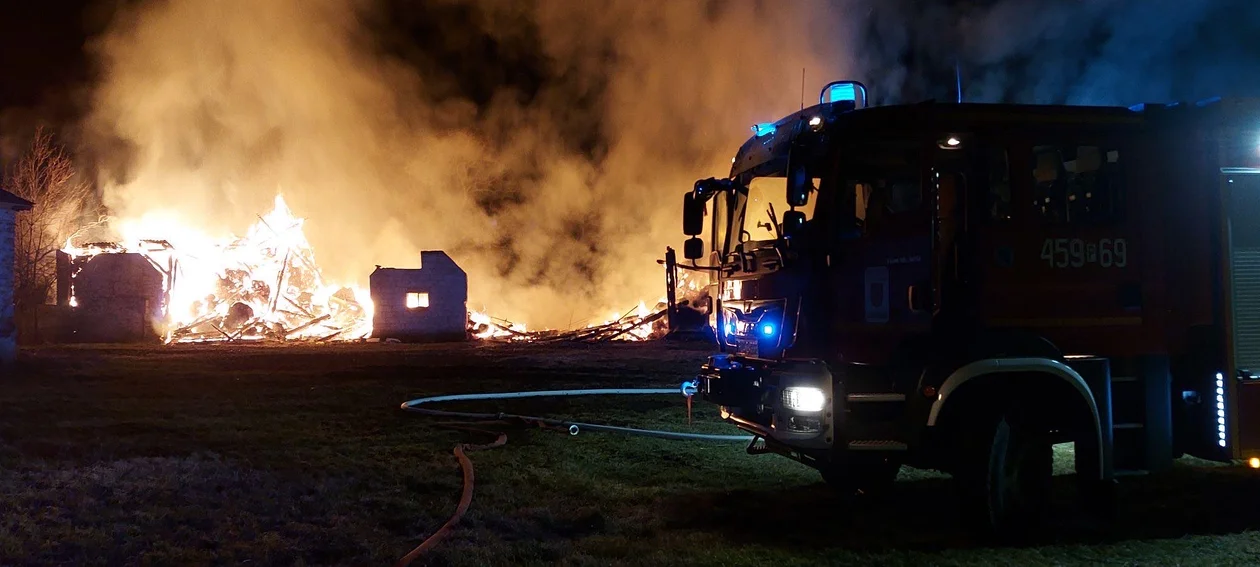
(1245, 266)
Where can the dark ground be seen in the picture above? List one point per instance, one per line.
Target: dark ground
(300, 455)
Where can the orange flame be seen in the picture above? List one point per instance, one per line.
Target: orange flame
(265, 284)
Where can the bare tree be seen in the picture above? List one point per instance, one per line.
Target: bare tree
(46, 176)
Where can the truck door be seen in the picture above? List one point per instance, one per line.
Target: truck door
(881, 268)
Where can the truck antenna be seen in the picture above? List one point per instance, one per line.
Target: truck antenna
(958, 79)
(802, 88)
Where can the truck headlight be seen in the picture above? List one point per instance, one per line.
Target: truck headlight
(804, 399)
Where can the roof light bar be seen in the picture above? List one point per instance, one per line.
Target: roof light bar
(844, 91)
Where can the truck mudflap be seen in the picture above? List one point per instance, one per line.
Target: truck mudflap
(793, 403)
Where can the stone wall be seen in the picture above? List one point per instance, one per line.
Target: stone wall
(8, 328)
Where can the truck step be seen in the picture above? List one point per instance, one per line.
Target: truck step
(875, 398)
(1129, 472)
(877, 445)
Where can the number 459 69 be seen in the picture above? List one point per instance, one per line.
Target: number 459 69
(1077, 253)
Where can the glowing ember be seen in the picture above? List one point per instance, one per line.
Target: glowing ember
(263, 285)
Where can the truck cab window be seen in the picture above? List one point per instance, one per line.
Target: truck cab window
(862, 200)
(763, 194)
(883, 197)
(904, 194)
(883, 183)
(1076, 184)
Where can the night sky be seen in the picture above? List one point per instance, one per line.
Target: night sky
(46, 69)
(43, 56)
(41, 48)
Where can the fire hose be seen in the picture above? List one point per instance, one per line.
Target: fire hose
(688, 389)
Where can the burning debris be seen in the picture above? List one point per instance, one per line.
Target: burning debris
(265, 285)
(640, 324)
(687, 295)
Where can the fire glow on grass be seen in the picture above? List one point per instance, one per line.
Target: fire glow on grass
(267, 285)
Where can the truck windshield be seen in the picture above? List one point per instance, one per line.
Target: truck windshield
(758, 213)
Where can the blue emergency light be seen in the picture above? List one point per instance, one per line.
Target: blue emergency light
(843, 91)
(763, 129)
(768, 329)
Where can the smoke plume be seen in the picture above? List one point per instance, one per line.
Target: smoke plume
(545, 144)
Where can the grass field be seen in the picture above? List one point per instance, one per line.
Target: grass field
(300, 456)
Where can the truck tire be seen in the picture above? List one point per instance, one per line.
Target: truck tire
(1004, 472)
(869, 475)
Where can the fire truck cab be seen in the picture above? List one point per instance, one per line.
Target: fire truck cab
(961, 286)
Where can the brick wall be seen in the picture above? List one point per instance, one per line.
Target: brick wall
(8, 329)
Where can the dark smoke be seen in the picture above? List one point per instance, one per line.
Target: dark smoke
(1094, 52)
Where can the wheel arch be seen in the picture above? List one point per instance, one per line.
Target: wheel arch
(983, 383)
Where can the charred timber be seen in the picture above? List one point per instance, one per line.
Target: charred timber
(307, 325)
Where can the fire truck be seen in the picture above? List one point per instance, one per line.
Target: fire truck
(961, 287)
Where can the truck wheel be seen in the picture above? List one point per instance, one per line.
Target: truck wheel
(861, 477)
(1005, 474)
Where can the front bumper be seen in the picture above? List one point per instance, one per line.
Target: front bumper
(750, 394)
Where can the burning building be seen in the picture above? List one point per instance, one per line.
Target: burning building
(264, 285)
(118, 297)
(428, 304)
(10, 206)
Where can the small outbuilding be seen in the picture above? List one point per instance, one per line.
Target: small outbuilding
(118, 300)
(428, 304)
(10, 206)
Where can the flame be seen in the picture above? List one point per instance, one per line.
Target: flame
(644, 322)
(264, 284)
(486, 327)
(640, 324)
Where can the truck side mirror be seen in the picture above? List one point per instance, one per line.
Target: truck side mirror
(793, 222)
(693, 215)
(693, 248)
